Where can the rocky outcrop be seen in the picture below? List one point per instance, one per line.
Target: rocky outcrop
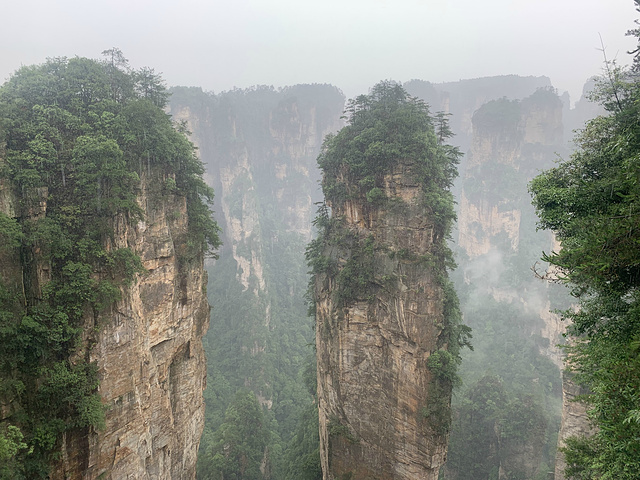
(148, 350)
(511, 141)
(374, 387)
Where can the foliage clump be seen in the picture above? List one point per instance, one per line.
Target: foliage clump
(592, 202)
(79, 135)
(388, 132)
(385, 130)
(498, 116)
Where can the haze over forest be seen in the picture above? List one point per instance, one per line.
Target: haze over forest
(332, 346)
(351, 44)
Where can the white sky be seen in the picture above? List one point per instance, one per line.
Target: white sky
(349, 43)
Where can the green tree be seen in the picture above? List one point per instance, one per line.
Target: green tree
(79, 135)
(240, 443)
(592, 202)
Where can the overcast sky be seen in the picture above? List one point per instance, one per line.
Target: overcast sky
(350, 43)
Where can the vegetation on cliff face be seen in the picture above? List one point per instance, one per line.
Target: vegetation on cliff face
(260, 146)
(592, 202)
(78, 136)
(388, 133)
(384, 128)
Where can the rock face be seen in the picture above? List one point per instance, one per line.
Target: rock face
(259, 147)
(374, 387)
(511, 142)
(148, 349)
(574, 419)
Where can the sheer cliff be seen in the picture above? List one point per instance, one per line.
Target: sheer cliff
(386, 316)
(260, 147)
(104, 224)
(509, 127)
(149, 356)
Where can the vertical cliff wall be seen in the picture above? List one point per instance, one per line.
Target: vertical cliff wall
(147, 347)
(104, 224)
(464, 97)
(260, 147)
(148, 350)
(575, 421)
(511, 141)
(384, 311)
(516, 362)
(374, 385)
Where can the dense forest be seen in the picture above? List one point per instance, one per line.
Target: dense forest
(538, 276)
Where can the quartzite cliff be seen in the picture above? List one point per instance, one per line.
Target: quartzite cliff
(382, 307)
(111, 356)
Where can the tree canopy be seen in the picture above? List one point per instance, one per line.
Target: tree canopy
(592, 202)
(384, 127)
(78, 136)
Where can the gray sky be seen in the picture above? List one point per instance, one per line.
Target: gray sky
(349, 43)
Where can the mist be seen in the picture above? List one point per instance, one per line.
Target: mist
(351, 44)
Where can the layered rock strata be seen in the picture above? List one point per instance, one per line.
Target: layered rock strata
(148, 349)
(374, 387)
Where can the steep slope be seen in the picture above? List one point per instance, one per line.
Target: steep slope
(386, 331)
(260, 147)
(104, 222)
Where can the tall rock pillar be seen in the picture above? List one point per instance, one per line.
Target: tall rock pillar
(384, 308)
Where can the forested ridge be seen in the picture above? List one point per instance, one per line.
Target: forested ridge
(77, 136)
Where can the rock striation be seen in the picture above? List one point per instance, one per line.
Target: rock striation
(148, 349)
(382, 317)
(373, 382)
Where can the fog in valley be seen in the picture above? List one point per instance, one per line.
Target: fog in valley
(343, 343)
